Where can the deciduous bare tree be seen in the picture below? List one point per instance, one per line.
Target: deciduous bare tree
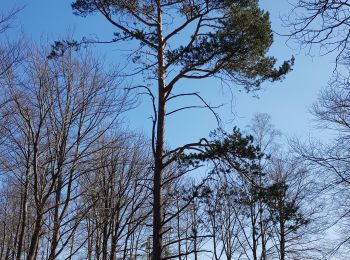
(321, 23)
(11, 52)
(56, 110)
(117, 192)
(331, 158)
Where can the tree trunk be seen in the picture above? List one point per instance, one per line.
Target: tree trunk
(254, 234)
(194, 229)
(178, 228)
(157, 180)
(113, 241)
(158, 160)
(215, 243)
(90, 240)
(56, 222)
(263, 239)
(282, 241)
(24, 209)
(35, 237)
(24, 212)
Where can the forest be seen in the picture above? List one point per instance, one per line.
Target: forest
(97, 155)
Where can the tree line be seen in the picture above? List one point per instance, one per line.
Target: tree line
(76, 184)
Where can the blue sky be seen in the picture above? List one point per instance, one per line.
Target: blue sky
(287, 102)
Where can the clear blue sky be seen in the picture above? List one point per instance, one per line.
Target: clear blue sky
(287, 102)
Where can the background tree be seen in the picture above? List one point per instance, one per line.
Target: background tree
(293, 209)
(228, 203)
(117, 194)
(11, 52)
(323, 23)
(331, 159)
(54, 113)
(260, 206)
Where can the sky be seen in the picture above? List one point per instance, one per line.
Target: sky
(287, 102)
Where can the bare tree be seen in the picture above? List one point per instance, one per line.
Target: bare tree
(117, 191)
(186, 234)
(292, 202)
(225, 219)
(11, 52)
(266, 138)
(261, 206)
(231, 200)
(9, 217)
(321, 23)
(331, 159)
(56, 111)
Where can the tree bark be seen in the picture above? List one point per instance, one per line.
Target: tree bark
(282, 241)
(158, 160)
(56, 221)
(35, 237)
(254, 233)
(24, 212)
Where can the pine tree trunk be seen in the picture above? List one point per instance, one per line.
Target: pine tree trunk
(158, 160)
(157, 179)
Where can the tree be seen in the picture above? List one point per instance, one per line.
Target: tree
(231, 195)
(240, 185)
(331, 159)
(260, 205)
(265, 137)
(225, 218)
(293, 210)
(287, 213)
(117, 193)
(324, 23)
(55, 111)
(10, 51)
(224, 38)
